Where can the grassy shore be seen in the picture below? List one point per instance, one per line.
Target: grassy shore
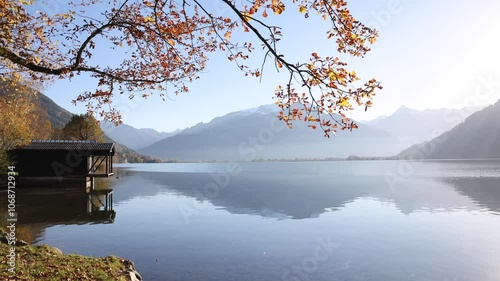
(48, 263)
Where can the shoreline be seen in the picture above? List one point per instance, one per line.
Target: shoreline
(26, 262)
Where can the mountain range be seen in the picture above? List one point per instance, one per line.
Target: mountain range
(132, 137)
(412, 126)
(256, 134)
(477, 137)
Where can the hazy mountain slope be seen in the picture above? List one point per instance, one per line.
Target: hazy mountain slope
(124, 154)
(257, 134)
(477, 137)
(229, 119)
(412, 126)
(58, 116)
(132, 137)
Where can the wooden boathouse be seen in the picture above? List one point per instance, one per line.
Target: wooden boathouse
(67, 168)
(63, 159)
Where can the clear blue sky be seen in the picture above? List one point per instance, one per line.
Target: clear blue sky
(430, 54)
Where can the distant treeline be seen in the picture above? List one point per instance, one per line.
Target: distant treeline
(350, 158)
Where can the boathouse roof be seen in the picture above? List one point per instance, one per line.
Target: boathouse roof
(93, 147)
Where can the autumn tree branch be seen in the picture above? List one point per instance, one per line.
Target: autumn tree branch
(168, 44)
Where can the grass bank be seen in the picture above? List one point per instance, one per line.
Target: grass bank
(49, 263)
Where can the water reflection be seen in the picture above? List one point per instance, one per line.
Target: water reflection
(432, 226)
(484, 192)
(38, 209)
(290, 196)
(302, 196)
(286, 196)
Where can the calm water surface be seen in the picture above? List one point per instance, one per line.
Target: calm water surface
(288, 221)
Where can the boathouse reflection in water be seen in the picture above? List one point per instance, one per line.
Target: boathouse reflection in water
(38, 209)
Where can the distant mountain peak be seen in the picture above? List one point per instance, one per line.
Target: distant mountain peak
(263, 109)
(256, 133)
(133, 137)
(404, 108)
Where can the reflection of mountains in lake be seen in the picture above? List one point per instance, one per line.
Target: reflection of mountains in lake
(301, 195)
(289, 194)
(484, 192)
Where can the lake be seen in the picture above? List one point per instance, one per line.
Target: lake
(355, 220)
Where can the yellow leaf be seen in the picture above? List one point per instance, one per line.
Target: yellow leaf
(333, 75)
(302, 9)
(344, 102)
(149, 19)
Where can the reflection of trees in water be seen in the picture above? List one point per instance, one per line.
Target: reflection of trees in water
(30, 233)
(38, 209)
(101, 183)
